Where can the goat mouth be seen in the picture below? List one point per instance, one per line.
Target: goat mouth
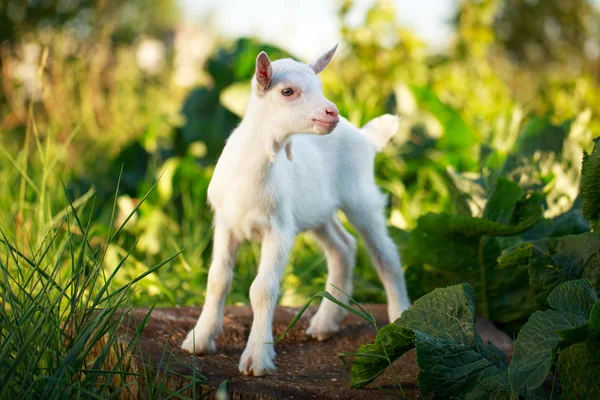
(327, 124)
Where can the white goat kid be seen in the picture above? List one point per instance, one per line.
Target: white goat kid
(257, 193)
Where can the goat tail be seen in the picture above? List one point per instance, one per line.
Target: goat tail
(381, 129)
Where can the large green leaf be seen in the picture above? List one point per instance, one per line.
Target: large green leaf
(538, 341)
(541, 134)
(464, 233)
(579, 371)
(446, 313)
(458, 139)
(552, 261)
(441, 325)
(445, 224)
(574, 297)
(570, 223)
(372, 359)
(594, 323)
(536, 346)
(578, 299)
(590, 185)
(547, 157)
(467, 190)
(495, 387)
(453, 361)
(502, 202)
(207, 120)
(450, 369)
(466, 249)
(452, 358)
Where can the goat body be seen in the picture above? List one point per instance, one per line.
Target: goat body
(251, 194)
(273, 181)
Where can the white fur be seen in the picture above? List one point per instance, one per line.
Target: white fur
(273, 182)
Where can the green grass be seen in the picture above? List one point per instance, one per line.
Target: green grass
(60, 310)
(59, 320)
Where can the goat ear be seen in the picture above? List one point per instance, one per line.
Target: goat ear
(264, 71)
(320, 64)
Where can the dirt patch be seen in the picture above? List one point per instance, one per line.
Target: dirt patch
(307, 369)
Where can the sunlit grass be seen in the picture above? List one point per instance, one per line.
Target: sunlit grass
(60, 309)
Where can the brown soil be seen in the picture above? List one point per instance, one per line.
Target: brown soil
(307, 369)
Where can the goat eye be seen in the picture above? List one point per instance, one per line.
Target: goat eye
(287, 92)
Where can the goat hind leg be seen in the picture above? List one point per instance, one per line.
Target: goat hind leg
(370, 222)
(340, 248)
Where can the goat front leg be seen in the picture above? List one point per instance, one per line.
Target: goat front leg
(257, 358)
(201, 339)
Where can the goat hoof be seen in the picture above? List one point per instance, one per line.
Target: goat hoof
(320, 335)
(322, 327)
(198, 346)
(257, 360)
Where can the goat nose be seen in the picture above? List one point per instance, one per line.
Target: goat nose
(331, 111)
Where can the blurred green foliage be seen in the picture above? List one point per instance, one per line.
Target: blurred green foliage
(122, 21)
(482, 123)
